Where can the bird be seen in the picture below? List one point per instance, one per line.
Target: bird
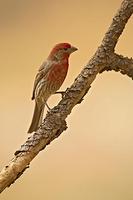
(49, 79)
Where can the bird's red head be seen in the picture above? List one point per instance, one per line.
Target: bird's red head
(61, 51)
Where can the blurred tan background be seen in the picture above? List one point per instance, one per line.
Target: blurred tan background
(93, 159)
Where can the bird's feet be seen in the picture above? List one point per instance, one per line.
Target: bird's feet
(61, 92)
(58, 92)
(48, 107)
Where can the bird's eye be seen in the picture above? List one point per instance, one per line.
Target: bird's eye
(65, 49)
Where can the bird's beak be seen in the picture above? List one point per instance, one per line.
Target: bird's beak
(72, 49)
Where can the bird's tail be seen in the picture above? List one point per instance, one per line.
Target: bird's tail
(37, 118)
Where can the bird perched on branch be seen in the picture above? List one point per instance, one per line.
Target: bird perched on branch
(49, 79)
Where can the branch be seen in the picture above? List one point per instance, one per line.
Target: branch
(118, 24)
(54, 123)
(121, 64)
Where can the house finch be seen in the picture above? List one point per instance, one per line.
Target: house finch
(49, 79)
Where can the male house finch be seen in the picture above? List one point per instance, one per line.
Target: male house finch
(49, 79)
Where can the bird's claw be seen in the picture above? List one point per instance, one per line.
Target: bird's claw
(48, 107)
(61, 92)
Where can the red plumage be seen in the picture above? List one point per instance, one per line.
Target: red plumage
(49, 79)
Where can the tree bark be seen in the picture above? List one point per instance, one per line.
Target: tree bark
(54, 124)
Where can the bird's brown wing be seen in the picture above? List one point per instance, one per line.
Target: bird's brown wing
(43, 70)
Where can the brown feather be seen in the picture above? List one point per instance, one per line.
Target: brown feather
(37, 118)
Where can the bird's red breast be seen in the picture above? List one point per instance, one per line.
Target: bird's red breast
(58, 72)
